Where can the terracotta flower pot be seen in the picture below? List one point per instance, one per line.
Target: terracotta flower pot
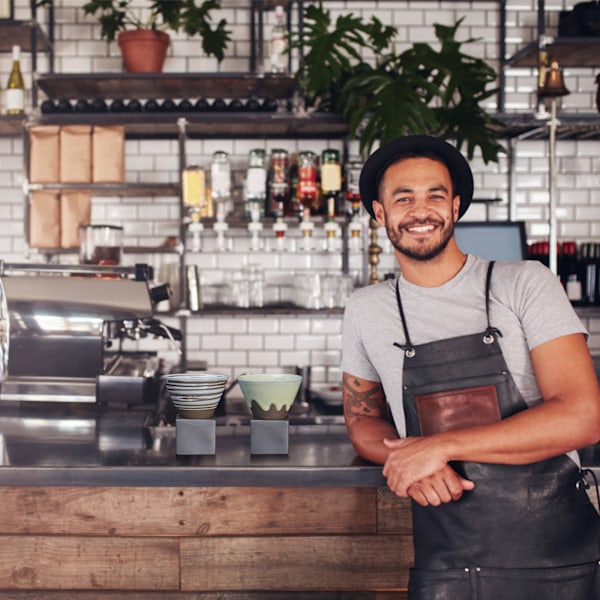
(143, 50)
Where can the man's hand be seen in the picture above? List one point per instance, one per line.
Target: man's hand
(441, 487)
(415, 468)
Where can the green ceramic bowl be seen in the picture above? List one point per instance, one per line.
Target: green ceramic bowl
(270, 395)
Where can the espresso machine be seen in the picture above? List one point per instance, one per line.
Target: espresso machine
(64, 331)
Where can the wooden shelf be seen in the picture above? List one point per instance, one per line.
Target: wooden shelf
(571, 126)
(126, 250)
(165, 85)
(114, 189)
(22, 33)
(241, 125)
(569, 52)
(11, 125)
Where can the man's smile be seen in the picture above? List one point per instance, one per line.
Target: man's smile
(421, 227)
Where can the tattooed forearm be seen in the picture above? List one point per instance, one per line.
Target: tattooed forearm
(362, 398)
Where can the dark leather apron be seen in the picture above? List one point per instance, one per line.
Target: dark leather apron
(526, 531)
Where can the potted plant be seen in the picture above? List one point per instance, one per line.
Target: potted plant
(386, 95)
(138, 33)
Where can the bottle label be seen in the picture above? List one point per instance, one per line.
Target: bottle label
(15, 100)
(331, 178)
(221, 184)
(194, 190)
(256, 182)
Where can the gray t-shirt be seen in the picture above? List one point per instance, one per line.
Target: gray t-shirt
(527, 304)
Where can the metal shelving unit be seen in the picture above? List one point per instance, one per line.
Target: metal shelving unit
(570, 52)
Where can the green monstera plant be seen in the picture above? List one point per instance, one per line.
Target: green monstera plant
(350, 67)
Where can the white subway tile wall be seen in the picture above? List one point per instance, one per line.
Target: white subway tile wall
(241, 343)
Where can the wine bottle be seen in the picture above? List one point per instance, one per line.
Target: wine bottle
(47, 107)
(151, 105)
(235, 105)
(117, 106)
(134, 106)
(278, 45)
(82, 106)
(185, 106)
(64, 106)
(252, 105)
(218, 105)
(15, 91)
(168, 105)
(201, 105)
(98, 105)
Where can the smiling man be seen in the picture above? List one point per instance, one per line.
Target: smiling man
(471, 382)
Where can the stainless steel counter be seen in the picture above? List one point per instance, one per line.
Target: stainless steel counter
(95, 446)
(112, 447)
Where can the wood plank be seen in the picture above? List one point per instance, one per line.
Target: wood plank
(62, 563)
(369, 562)
(139, 511)
(103, 595)
(394, 514)
(165, 85)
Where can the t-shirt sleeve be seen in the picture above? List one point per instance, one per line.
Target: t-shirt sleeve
(355, 360)
(545, 311)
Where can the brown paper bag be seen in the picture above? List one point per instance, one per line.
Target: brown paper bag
(108, 154)
(44, 219)
(76, 154)
(75, 210)
(44, 153)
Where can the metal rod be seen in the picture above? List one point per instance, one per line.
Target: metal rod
(552, 236)
(502, 52)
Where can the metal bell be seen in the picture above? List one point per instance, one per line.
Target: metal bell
(554, 84)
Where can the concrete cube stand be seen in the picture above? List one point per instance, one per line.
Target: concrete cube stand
(269, 437)
(196, 436)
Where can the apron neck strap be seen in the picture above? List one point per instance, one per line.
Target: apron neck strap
(490, 332)
(409, 349)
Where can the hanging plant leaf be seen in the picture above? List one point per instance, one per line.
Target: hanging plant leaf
(332, 52)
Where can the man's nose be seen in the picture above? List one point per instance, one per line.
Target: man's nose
(420, 207)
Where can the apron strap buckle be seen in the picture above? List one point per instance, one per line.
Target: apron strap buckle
(490, 335)
(408, 349)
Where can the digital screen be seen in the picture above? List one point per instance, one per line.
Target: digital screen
(501, 240)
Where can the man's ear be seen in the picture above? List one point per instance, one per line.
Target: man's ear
(455, 207)
(379, 213)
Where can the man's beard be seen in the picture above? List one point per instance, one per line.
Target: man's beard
(421, 251)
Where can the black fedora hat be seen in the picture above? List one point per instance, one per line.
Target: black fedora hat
(415, 146)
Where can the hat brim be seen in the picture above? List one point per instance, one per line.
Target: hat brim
(412, 145)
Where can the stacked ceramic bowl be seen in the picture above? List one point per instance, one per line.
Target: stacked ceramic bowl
(195, 395)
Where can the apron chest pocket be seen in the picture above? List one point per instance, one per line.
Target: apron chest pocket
(463, 402)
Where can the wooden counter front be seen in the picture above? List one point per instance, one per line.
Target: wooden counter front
(203, 543)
